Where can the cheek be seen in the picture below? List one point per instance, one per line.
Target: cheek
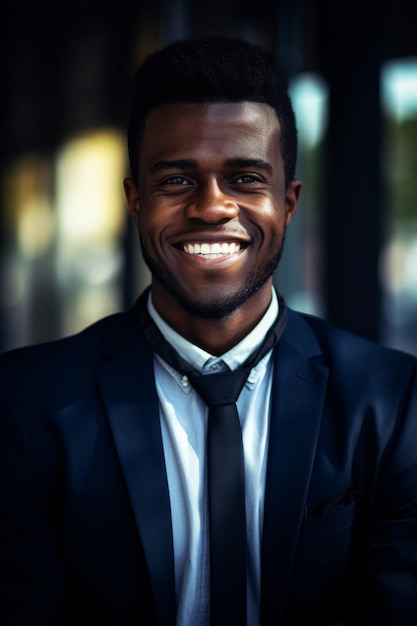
(151, 229)
(274, 233)
(149, 219)
(272, 221)
(147, 229)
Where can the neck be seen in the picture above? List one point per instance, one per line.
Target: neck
(215, 336)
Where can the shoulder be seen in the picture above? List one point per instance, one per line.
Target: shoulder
(65, 347)
(47, 376)
(75, 354)
(347, 354)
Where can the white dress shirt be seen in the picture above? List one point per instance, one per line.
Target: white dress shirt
(183, 417)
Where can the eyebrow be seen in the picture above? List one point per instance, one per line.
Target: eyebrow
(180, 164)
(258, 163)
(187, 164)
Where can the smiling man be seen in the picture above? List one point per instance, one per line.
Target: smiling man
(211, 206)
(209, 456)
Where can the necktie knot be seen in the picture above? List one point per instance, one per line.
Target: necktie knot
(219, 389)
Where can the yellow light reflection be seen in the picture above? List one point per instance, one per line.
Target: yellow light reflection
(29, 211)
(90, 205)
(91, 215)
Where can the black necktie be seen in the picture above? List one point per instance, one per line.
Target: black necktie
(225, 460)
(226, 496)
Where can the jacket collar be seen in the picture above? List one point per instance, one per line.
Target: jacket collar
(127, 385)
(299, 387)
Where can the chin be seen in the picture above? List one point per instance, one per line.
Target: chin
(221, 306)
(223, 302)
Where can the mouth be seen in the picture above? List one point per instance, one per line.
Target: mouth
(215, 250)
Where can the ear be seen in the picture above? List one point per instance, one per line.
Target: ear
(292, 196)
(132, 197)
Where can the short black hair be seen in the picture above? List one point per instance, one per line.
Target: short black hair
(218, 69)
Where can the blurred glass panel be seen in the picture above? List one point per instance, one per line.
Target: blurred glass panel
(399, 258)
(309, 96)
(29, 205)
(90, 222)
(299, 275)
(27, 251)
(62, 260)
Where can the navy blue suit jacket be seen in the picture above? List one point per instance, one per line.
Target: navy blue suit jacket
(85, 525)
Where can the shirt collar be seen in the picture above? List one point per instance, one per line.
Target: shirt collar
(234, 357)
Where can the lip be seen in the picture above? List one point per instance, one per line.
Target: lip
(211, 239)
(213, 251)
(180, 243)
(211, 258)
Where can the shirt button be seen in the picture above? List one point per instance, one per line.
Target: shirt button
(184, 381)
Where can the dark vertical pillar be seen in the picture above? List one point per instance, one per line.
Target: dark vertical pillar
(353, 214)
(27, 75)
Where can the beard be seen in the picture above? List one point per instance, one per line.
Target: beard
(223, 306)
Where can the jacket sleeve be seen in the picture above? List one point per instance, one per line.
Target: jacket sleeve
(385, 573)
(31, 562)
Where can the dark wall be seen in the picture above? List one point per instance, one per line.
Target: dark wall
(67, 65)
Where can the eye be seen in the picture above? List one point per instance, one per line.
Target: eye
(176, 180)
(247, 179)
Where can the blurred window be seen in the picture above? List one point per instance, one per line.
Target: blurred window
(90, 222)
(62, 258)
(299, 275)
(399, 257)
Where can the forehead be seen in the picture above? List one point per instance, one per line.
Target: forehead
(211, 129)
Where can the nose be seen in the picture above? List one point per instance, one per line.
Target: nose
(210, 204)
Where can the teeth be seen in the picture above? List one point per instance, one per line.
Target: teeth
(211, 250)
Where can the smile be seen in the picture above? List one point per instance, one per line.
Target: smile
(212, 250)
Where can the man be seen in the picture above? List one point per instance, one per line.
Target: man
(108, 502)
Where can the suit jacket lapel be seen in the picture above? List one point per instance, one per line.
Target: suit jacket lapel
(298, 395)
(128, 390)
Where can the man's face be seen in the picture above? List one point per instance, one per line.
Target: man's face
(211, 205)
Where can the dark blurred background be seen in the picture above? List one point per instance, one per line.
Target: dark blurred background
(68, 251)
